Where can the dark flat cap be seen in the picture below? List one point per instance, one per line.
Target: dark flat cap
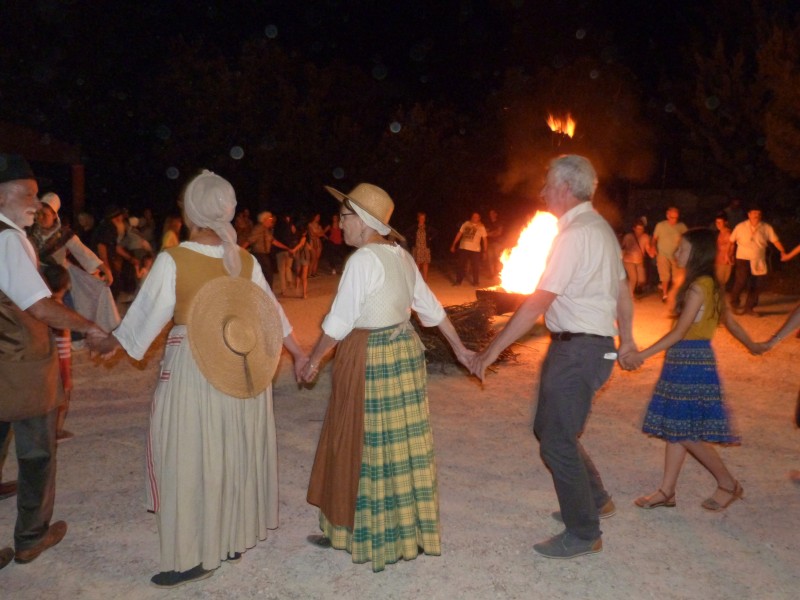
(13, 167)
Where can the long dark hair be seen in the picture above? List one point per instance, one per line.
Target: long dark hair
(701, 263)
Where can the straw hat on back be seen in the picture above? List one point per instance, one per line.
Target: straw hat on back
(235, 335)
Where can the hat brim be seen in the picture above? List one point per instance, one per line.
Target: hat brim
(341, 197)
(214, 304)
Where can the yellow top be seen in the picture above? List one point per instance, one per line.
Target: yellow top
(192, 271)
(709, 319)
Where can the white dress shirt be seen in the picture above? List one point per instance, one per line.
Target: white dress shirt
(584, 270)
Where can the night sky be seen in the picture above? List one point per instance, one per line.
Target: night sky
(67, 61)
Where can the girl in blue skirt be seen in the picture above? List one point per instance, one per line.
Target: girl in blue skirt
(686, 410)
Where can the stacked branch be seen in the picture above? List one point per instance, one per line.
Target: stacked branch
(472, 322)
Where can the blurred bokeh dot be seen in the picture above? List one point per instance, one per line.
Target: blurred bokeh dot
(395, 127)
(271, 31)
(712, 103)
(163, 132)
(173, 173)
(237, 152)
(594, 73)
(338, 173)
(379, 72)
(580, 34)
(670, 107)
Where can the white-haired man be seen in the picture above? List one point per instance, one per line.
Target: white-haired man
(581, 294)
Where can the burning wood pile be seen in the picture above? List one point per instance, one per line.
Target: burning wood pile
(473, 323)
(523, 265)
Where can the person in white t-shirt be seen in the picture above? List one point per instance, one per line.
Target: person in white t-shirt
(752, 237)
(471, 240)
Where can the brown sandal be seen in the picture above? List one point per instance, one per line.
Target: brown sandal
(647, 502)
(737, 493)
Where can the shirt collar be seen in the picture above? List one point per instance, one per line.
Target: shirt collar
(572, 213)
(7, 221)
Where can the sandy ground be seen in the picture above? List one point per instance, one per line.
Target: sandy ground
(496, 496)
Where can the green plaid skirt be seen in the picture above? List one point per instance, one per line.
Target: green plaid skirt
(397, 507)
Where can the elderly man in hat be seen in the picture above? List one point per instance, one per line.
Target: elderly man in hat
(581, 293)
(29, 375)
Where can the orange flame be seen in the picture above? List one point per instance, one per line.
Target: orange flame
(524, 264)
(564, 126)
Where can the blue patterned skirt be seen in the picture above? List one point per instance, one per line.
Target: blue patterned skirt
(687, 402)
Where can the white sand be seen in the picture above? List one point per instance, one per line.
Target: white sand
(496, 496)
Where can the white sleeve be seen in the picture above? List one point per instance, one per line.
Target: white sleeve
(19, 277)
(425, 303)
(363, 273)
(85, 257)
(151, 310)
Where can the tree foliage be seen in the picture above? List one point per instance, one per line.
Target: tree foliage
(740, 113)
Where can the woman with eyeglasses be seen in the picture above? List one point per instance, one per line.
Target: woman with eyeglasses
(374, 477)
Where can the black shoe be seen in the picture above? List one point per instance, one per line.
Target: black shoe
(172, 579)
(320, 541)
(235, 557)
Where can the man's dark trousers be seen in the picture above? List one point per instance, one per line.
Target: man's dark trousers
(571, 374)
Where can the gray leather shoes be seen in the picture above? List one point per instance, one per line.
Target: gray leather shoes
(567, 545)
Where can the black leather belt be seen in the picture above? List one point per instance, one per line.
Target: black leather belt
(565, 336)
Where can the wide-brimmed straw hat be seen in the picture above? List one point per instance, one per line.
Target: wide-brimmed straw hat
(372, 200)
(235, 335)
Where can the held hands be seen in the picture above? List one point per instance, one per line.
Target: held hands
(630, 358)
(479, 363)
(300, 364)
(465, 356)
(308, 373)
(101, 343)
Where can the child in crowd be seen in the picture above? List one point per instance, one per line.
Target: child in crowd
(303, 257)
(686, 409)
(57, 279)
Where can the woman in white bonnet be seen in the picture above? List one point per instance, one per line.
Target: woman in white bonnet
(211, 458)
